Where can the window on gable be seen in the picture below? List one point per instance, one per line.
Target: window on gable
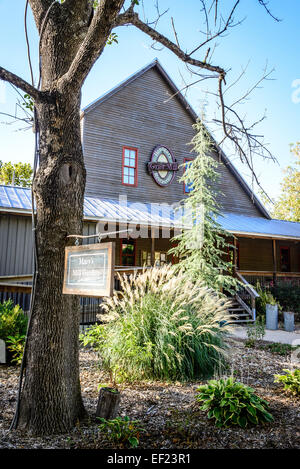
(129, 166)
(187, 187)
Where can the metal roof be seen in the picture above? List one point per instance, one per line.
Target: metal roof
(16, 199)
(259, 226)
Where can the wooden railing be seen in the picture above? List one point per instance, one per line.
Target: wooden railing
(266, 273)
(264, 278)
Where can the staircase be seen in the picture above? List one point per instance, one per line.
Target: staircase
(242, 309)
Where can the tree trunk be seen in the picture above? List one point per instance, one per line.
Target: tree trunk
(51, 398)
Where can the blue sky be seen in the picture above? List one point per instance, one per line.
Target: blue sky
(258, 40)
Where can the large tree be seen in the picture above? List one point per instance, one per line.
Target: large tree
(287, 206)
(16, 174)
(72, 36)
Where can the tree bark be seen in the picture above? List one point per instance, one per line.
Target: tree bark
(51, 398)
(108, 403)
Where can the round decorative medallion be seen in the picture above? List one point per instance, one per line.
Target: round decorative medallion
(162, 166)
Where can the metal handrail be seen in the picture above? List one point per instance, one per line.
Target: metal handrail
(253, 293)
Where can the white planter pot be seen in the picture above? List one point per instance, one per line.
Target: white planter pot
(272, 317)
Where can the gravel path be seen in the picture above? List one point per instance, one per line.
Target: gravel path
(168, 411)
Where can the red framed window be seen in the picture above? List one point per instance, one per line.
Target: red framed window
(187, 188)
(128, 252)
(129, 166)
(285, 259)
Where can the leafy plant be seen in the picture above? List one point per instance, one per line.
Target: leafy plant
(255, 331)
(113, 37)
(164, 327)
(121, 430)
(265, 297)
(230, 402)
(28, 102)
(16, 346)
(291, 381)
(13, 322)
(18, 174)
(288, 295)
(278, 348)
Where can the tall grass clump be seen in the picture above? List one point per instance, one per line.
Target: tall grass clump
(164, 327)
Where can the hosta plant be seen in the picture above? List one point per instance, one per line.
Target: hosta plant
(164, 327)
(291, 381)
(121, 430)
(230, 402)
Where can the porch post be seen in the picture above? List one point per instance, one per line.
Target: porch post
(274, 260)
(235, 254)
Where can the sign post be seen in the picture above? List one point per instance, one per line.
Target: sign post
(89, 270)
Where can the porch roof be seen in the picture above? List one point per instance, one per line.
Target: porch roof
(15, 199)
(260, 227)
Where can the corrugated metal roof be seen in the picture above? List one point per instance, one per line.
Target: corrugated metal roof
(18, 200)
(259, 226)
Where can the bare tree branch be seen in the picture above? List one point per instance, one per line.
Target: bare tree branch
(219, 33)
(264, 3)
(156, 36)
(175, 32)
(246, 144)
(22, 84)
(91, 48)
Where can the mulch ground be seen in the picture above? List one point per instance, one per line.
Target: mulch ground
(168, 412)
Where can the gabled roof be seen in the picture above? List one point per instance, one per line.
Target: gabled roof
(178, 95)
(154, 64)
(17, 200)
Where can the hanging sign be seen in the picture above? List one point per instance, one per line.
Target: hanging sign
(89, 270)
(162, 166)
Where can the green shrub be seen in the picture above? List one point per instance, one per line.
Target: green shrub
(229, 402)
(13, 327)
(255, 331)
(265, 297)
(288, 295)
(291, 381)
(13, 322)
(16, 346)
(278, 348)
(121, 430)
(164, 328)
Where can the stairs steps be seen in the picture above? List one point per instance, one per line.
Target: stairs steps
(238, 312)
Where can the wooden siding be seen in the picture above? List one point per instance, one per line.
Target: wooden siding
(15, 245)
(257, 254)
(139, 116)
